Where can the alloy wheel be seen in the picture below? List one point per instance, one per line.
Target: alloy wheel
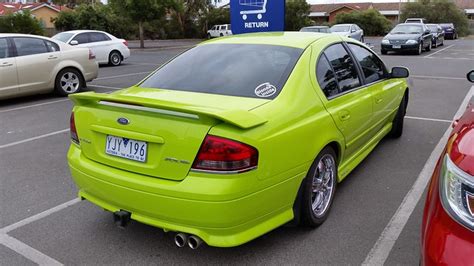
(323, 185)
(69, 82)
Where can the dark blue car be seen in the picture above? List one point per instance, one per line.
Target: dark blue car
(449, 31)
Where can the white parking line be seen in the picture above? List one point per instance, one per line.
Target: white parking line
(382, 248)
(33, 138)
(439, 51)
(27, 251)
(428, 119)
(33, 105)
(124, 75)
(38, 216)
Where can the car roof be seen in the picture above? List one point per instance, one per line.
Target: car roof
(290, 39)
(316, 27)
(21, 35)
(343, 24)
(82, 31)
(432, 24)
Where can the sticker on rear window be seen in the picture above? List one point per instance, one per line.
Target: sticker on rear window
(265, 90)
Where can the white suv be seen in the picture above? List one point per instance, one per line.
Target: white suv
(219, 31)
(107, 48)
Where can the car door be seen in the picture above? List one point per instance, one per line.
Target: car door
(347, 101)
(101, 45)
(36, 59)
(386, 92)
(427, 36)
(8, 71)
(82, 40)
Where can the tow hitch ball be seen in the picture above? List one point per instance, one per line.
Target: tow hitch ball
(122, 218)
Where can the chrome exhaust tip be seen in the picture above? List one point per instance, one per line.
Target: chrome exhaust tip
(180, 239)
(194, 242)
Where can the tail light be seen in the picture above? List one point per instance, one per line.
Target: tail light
(91, 55)
(125, 43)
(72, 128)
(226, 156)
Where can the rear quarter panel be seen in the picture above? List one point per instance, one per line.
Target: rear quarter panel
(76, 58)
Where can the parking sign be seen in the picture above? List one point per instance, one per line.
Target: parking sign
(257, 15)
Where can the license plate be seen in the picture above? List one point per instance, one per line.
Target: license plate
(126, 148)
(397, 46)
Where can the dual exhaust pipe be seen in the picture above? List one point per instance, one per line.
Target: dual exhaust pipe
(182, 239)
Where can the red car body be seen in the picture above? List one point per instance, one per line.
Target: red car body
(447, 239)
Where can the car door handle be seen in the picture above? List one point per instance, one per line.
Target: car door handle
(6, 64)
(378, 100)
(344, 115)
(52, 57)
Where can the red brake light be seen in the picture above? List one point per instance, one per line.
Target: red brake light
(125, 43)
(224, 155)
(91, 55)
(72, 128)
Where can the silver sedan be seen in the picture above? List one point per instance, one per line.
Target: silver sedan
(31, 64)
(349, 30)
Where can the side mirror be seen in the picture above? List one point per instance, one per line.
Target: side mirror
(400, 72)
(353, 30)
(470, 76)
(73, 42)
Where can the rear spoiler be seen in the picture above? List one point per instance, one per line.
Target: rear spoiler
(240, 118)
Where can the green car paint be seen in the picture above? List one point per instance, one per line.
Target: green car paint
(226, 210)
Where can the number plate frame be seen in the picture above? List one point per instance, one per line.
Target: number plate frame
(397, 47)
(130, 149)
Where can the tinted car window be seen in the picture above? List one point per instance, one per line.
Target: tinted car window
(30, 46)
(4, 50)
(326, 78)
(81, 38)
(98, 37)
(407, 29)
(372, 66)
(343, 66)
(52, 47)
(247, 70)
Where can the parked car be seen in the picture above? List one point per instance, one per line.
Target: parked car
(32, 64)
(438, 34)
(411, 37)
(415, 20)
(450, 31)
(322, 29)
(107, 48)
(219, 31)
(349, 30)
(447, 234)
(229, 158)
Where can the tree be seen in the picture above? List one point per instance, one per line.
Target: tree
(371, 21)
(21, 22)
(296, 15)
(187, 12)
(141, 11)
(438, 11)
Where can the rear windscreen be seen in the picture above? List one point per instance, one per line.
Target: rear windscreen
(246, 70)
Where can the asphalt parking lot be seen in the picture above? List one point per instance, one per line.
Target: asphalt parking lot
(42, 221)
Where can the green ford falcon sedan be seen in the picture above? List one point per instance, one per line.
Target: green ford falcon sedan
(236, 136)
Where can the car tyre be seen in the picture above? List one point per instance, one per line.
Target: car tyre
(428, 48)
(318, 188)
(420, 49)
(435, 45)
(208, 36)
(115, 58)
(362, 39)
(397, 123)
(68, 81)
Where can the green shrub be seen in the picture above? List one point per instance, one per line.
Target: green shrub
(439, 11)
(296, 15)
(371, 21)
(21, 22)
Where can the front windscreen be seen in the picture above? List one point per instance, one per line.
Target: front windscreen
(63, 37)
(407, 29)
(246, 70)
(340, 28)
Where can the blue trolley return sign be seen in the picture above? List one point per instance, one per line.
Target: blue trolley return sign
(257, 15)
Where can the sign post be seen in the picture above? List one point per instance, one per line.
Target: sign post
(257, 15)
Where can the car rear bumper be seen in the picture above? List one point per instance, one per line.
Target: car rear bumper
(443, 240)
(403, 47)
(91, 71)
(214, 208)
